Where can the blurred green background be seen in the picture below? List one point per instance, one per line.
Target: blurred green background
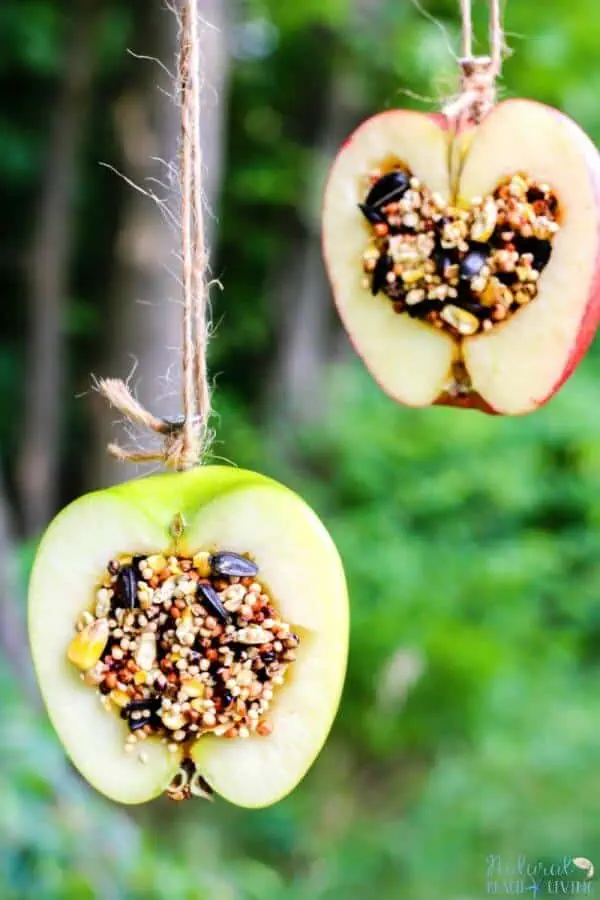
(470, 720)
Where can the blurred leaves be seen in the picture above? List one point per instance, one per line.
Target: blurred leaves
(472, 545)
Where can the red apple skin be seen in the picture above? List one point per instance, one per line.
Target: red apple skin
(591, 317)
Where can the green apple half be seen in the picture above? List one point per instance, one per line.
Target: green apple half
(221, 507)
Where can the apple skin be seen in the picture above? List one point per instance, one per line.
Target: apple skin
(590, 317)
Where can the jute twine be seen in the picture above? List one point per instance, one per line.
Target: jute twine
(184, 441)
(478, 73)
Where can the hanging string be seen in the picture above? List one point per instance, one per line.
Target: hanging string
(478, 73)
(185, 441)
(496, 36)
(198, 286)
(467, 29)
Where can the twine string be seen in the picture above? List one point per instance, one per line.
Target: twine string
(478, 73)
(199, 286)
(184, 441)
(467, 28)
(496, 36)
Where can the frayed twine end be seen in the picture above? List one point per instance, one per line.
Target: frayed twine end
(183, 442)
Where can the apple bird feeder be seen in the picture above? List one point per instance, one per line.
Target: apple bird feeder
(189, 630)
(463, 248)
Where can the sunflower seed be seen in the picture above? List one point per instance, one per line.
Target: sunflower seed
(380, 272)
(210, 599)
(125, 596)
(389, 188)
(233, 564)
(373, 216)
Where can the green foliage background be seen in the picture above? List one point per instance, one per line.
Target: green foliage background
(472, 545)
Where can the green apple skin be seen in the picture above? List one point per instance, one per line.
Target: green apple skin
(222, 507)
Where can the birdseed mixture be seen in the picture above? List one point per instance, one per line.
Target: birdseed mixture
(184, 646)
(461, 270)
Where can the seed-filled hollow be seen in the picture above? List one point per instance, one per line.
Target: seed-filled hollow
(462, 270)
(183, 646)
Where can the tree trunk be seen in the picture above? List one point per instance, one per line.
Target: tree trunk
(146, 317)
(38, 469)
(301, 295)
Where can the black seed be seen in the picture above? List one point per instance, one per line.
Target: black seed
(474, 261)
(420, 310)
(444, 260)
(388, 189)
(227, 698)
(262, 675)
(136, 724)
(507, 278)
(238, 650)
(172, 425)
(233, 564)
(125, 589)
(268, 657)
(203, 785)
(477, 309)
(534, 194)
(152, 704)
(539, 249)
(112, 642)
(372, 215)
(188, 766)
(382, 267)
(140, 706)
(209, 598)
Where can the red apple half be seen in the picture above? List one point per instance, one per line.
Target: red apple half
(518, 365)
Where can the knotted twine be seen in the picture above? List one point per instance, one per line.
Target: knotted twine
(184, 441)
(478, 73)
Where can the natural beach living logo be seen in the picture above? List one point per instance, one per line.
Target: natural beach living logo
(567, 876)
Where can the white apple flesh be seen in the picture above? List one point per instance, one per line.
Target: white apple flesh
(519, 364)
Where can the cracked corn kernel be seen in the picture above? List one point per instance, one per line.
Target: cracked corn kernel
(464, 322)
(194, 688)
(87, 646)
(201, 563)
(119, 698)
(157, 562)
(485, 221)
(145, 655)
